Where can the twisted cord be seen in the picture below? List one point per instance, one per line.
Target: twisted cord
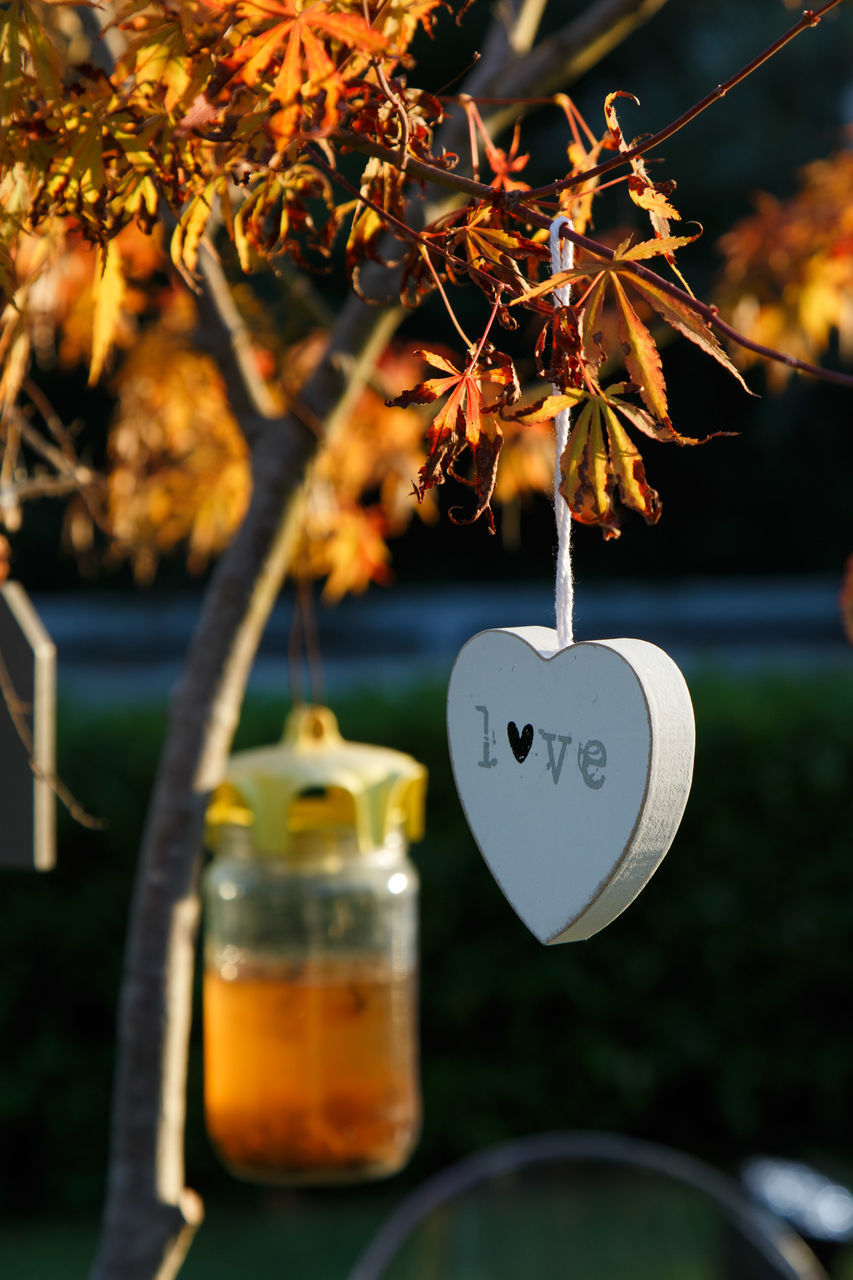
(562, 259)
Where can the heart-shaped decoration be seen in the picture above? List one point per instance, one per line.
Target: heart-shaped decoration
(573, 767)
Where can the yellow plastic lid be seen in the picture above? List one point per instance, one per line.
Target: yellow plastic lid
(314, 780)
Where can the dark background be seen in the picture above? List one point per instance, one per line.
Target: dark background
(713, 1015)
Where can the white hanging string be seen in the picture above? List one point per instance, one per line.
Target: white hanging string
(562, 259)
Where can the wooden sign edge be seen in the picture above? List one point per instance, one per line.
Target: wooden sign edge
(43, 723)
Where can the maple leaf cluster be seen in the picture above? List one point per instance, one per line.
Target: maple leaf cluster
(179, 469)
(271, 135)
(797, 295)
(360, 494)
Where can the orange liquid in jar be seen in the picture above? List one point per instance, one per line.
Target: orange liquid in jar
(310, 1069)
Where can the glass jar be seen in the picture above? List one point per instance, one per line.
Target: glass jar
(310, 960)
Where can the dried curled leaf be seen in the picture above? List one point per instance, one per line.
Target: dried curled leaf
(647, 195)
(465, 422)
(600, 462)
(382, 185)
(278, 216)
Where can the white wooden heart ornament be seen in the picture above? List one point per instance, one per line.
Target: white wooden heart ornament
(573, 766)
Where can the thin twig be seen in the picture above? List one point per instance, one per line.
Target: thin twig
(476, 354)
(40, 487)
(52, 421)
(407, 232)
(71, 476)
(65, 467)
(394, 98)
(810, 18)
(295, 646)
(424, 252)
(311, 640)
(18, 711)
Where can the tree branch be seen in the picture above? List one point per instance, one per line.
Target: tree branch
(708, 313)
(71, 473)
(515, 199)
(810, 18)
(570, 52)
(230, 342)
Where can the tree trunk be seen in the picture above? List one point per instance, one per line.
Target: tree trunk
(149, 1216)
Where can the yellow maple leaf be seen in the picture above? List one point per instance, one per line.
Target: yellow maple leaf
(109, 289)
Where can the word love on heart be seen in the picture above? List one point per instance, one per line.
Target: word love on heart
(592, 755)
(573, 766)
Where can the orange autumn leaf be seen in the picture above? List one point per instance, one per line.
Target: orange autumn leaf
(465, 421)
(505, 164)
(788, 276)
(344, 542)
(178, 464)
(600, 462)
(638, 346)
(300, 46)
(109, 290)
(642, 358)
(653, 197)
(485, 243)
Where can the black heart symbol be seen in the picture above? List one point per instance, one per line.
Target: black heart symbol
(520, 743)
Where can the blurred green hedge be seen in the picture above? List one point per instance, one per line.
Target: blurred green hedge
(712, 1015)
